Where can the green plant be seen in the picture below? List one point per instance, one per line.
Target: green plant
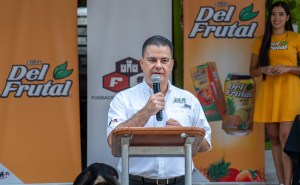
(295, 11)
(268, 145)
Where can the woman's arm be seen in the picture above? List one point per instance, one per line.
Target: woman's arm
(257, 71)
(254, 68)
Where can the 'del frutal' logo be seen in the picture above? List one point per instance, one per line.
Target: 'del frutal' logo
(283, 45)
(218, 22)
(23, 80)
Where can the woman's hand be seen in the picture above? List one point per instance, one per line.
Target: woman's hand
(267, 70)
(278, 70)
(274, 70)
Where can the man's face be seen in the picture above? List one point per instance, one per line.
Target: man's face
(157, 60)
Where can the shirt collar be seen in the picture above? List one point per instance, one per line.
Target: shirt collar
(146, 87)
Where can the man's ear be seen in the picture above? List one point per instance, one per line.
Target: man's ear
(141, 61)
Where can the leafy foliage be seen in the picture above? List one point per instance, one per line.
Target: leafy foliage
(218, 169)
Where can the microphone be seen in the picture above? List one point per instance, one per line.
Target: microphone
(155, 79)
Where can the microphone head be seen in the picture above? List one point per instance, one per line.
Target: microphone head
(155, 78)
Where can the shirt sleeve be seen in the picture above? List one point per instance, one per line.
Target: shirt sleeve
(256, 45)
(116, 113)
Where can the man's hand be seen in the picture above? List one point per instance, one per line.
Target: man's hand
(173, 123)
(155, 103)
(203, 146)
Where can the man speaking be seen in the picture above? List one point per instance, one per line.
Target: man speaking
(146, 105)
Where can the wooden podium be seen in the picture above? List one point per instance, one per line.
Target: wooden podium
(156, 141)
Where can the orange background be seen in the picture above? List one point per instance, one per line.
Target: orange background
(39, 136)
(231, 55)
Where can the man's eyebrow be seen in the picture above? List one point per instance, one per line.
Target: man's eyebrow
(151, 58)
(162, 58)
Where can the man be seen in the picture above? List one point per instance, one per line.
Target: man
(137, 107)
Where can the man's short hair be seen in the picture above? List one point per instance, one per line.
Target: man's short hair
(157, 40)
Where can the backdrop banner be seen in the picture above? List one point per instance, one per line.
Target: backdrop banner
(39, 94)
(116, 32)
(218, 38)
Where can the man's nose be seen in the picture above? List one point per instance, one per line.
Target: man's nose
(158, 64)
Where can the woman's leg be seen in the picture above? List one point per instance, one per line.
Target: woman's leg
(273, 133)
(285, 129)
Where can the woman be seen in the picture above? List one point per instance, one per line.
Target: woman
(274, 57)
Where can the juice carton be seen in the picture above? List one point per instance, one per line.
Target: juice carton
(209, 90)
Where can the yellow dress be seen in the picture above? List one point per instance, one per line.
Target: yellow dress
(277, 98)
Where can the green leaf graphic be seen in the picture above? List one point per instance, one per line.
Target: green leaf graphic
(246, 14)
(60, 68)
(61, 72)
(249, 87)
(284, 43)
(243, 126)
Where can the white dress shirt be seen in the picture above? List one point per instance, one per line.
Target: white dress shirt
(180, 105)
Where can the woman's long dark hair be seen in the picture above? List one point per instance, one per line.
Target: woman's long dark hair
(264, 51)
